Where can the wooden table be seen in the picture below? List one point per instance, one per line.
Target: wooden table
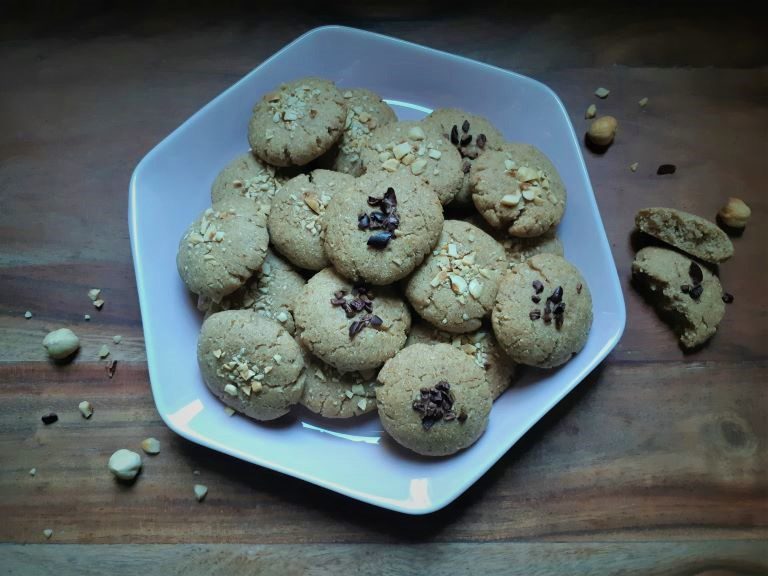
(656, 464)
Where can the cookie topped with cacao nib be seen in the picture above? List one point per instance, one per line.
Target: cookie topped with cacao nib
(382, 227)
(419, 149)
(543, 311)
(297, 122)
(471, 135)
(433, 399)
(350, 326)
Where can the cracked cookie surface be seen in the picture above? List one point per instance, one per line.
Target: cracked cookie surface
(222, 249)
(518, 189)
(328, 330)
(543, 311)
(455, 287)
(296, 219)
(250, 363)
(297, 122)
(459, 412)
(408, 225)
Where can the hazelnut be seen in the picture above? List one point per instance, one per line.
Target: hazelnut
(61, 343)
(125, 464)
(603, 130)
(735, 213)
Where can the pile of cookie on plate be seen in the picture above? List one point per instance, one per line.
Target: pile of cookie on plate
(330, 276)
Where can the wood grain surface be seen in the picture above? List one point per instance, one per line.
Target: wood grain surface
(656, 464)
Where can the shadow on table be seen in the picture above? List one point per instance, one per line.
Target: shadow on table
(394, 525)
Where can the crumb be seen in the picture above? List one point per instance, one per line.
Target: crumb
(117, 339)
(94, 294)
(104, 351)
(87, 317)
(27, 314)
(633, 166)
(643, 102)
(602, 92)
(201, 490)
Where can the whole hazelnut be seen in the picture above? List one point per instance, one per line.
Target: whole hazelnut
(735, 213)
(602, 130)
(61, 343)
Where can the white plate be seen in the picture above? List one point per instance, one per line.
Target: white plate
(171, 186)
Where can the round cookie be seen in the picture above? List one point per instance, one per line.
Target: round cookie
(246, 177)
(381, 241)
(332, 394)
(270, 292)
(419, 149)
(298, 122)
(250, 363)
(366, 112)
(479, 345)
(455, 287)
(420, 412)
(543, 311)
(295, 227)
(518, 189)
(347, 328)
(221, 249)
(471, 135)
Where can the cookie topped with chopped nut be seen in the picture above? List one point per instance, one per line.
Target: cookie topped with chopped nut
(381, 228)
(222, 249)
(350, 326)
(250, 363)
(543, 311)
(480, 345)
(295, 222)
(247, 177)
(298, 122)
(270, 292)
(334, 394)
(455, 287)
(366, 113)
(419, 149)
(518, 189)
(471, 135)
(433, 399)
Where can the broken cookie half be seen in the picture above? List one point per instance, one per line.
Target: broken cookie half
(685, 293)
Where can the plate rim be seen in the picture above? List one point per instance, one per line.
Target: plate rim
(470, 479)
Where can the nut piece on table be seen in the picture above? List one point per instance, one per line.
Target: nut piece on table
(86, 409)
(603, 130)
(201, 490)
(125, 464)
(61, 343)
(735, 213)
(151, 446)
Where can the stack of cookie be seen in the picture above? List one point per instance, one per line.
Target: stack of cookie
(679, 284)
(331, 277)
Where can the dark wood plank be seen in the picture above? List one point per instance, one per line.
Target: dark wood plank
(630, 455)
(655, 445)
(738, 558)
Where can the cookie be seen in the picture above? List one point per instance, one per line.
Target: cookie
(480, 345)
(379, 230)
(520, 249)
(350, 327)
(366, 112)
(418, 149)
(687, 294)
(332, 394)
(298, 122)
(543, 311)
(687, 232)
(433, 399)
(250, 363)
(295, 226)
(221, 250)
(455, 287)
(270, 292)
(246, 177)
(518, 189)
(471, 135)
